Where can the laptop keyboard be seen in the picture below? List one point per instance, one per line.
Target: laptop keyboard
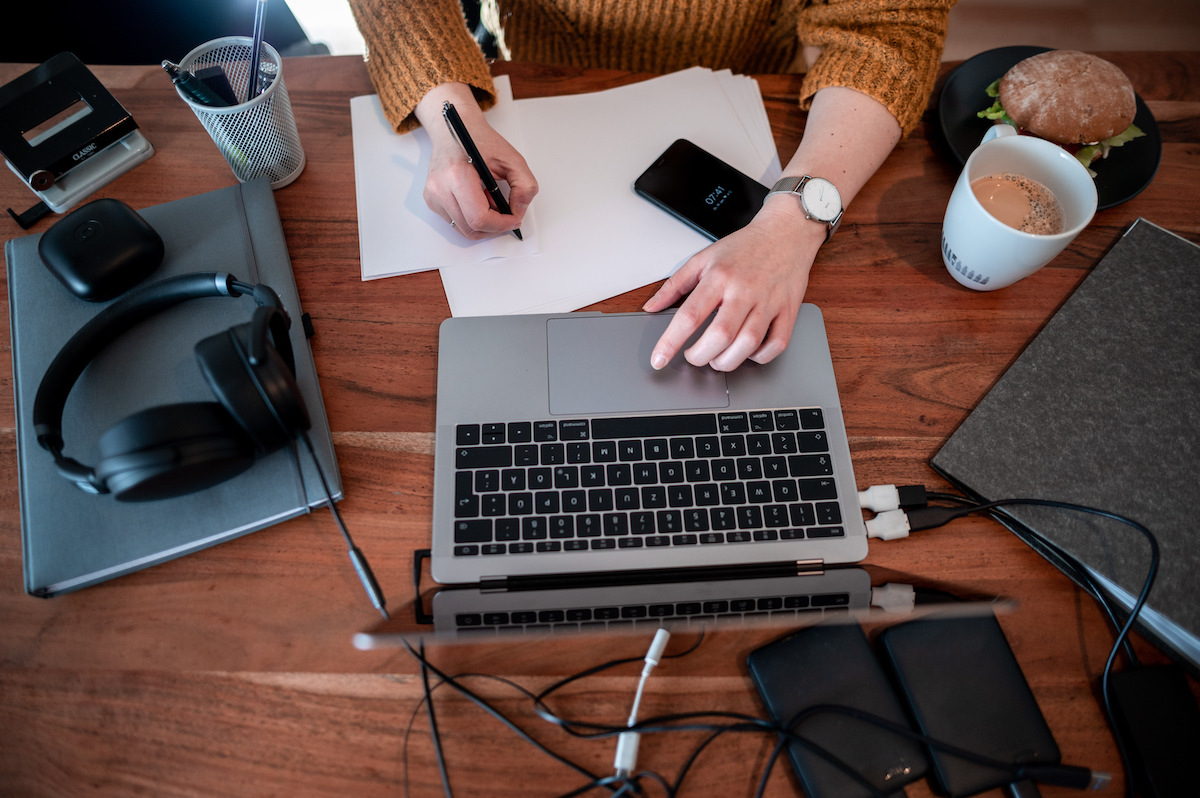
(674, 615)
(693, 479)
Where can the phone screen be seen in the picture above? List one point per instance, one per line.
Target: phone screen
(700, 189)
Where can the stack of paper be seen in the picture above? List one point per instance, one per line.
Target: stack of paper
(588, 236)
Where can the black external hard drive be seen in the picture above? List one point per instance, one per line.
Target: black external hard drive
(834, 665)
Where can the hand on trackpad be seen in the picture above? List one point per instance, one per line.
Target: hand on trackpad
(601, 364)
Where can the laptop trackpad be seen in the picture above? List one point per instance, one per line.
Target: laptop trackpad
(601, 364)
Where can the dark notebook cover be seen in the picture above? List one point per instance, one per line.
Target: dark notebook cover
(1103, 409)
(72, 539)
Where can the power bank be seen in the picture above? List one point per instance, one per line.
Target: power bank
(964, 686)
(1160, 723)
(835, 665)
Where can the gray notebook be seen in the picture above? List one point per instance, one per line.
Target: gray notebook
(72, 539)
(559, 451)
(1103, 409)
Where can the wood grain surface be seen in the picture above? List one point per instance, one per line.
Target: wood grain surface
(231, 671)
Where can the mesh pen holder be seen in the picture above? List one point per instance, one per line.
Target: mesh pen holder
(258, 137)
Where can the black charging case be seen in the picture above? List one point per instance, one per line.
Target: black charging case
(101, 250)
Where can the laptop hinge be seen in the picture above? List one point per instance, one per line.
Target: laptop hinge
(650, 576)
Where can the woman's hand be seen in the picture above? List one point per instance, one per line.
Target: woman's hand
(453, 189)
(754, 278)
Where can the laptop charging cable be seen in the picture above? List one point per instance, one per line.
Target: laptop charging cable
(625, 760)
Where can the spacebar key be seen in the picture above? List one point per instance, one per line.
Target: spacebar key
(648, 426)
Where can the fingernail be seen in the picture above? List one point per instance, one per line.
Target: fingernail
(658, 360)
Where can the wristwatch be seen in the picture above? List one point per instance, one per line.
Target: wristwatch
(819, 198)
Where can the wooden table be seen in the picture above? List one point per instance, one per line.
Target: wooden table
(231, 672)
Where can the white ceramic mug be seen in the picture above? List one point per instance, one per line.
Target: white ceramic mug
(984, 253)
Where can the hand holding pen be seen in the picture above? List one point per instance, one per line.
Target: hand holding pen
(453, 185)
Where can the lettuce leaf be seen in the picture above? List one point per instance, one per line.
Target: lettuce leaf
(1087, 154)
(996, 112)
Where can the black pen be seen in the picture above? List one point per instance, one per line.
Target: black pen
(455, 123)
(192, 86)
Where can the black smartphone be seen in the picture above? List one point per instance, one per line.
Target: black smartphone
(834, 664)
(698, 188)
(964, 686)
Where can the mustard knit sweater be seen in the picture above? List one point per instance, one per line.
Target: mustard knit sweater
(888, 49)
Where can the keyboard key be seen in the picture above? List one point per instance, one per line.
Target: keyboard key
(466, 551)
(762, 421)
(534, 528)
(573, 430)
(629, 451)
(732, 422)
(648, 426)
(684, 540)
(787, 420)
(476, 531)
(493, 548)
(733, 445)
(566, 477)
(812, 442)
(552, 454)
(829, 513)
(657, 540)
(508, 529)
(493, 433)
(810, 465)
(545, 431)
(466, 435)
(816, 489)
(520, 503)
(520, 432)
(603, 543)
(483, 457)
(812, 418)
(712, 537)
(619, 474)
(525, 454)
(604, 451)
(630, 543)
(509, 479)
(826, 532)
(579, 452)
(657, 449)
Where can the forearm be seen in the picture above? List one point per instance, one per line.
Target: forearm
(415, 46)
(847, 137)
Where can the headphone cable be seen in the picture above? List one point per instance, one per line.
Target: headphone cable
(361, 566)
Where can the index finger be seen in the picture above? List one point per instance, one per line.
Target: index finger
(687, 320)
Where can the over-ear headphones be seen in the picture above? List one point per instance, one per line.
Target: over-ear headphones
(170, 450)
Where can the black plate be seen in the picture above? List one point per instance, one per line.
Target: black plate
(1120, 177)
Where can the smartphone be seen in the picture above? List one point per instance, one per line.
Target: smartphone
(700, 189)
(834, 664)
(964, 686)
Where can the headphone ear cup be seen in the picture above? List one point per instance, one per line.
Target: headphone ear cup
(262, 398)
(171, 450)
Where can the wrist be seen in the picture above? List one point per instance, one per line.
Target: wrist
(783, 218)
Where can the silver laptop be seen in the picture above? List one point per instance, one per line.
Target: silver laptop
(559, 451)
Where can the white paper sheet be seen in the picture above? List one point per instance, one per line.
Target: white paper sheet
(587, 235)
(397, 232)
(599, 239)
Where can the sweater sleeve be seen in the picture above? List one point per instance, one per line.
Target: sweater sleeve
(414, 46)
(887, 49)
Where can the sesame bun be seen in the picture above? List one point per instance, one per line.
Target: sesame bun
(1068, 97)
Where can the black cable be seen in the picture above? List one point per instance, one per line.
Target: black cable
(929, 517)
(1066, 561)
(433, 726)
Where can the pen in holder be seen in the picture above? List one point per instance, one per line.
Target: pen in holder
(258, 137)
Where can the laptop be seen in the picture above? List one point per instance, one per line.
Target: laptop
(838, 594)
(559, 452)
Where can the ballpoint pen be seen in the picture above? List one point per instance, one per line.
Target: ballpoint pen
(459, 130)
(190, 85)
(260, 22)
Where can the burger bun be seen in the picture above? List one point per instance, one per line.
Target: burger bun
(1068, 97)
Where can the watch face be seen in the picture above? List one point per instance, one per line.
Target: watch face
(821, 199)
